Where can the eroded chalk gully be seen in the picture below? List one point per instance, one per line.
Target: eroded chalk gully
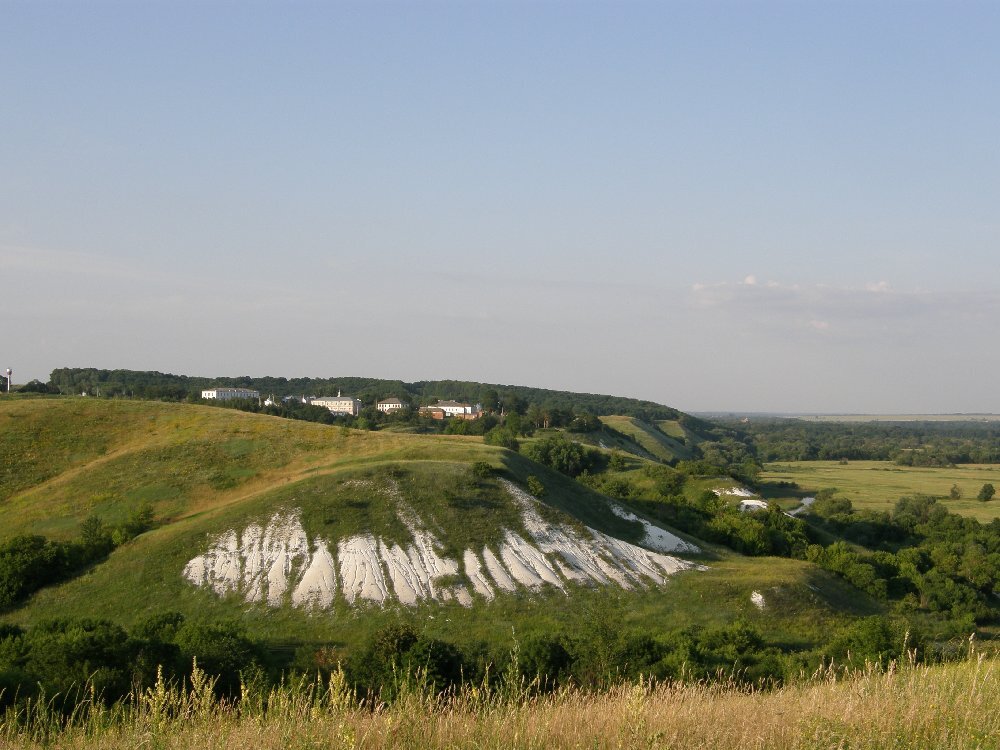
(278, 564)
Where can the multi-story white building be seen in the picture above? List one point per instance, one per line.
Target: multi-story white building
(387, 405)
(338, 404)
(228, 394)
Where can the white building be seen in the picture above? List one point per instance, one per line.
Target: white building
(455, 409)
(387, 405)
(338, 404)
(228, 394)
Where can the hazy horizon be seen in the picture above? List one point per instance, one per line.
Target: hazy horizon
(772, 206)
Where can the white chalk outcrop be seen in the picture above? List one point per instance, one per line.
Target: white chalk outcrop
(656, 538)
(753, 504)
(734, 492)
(277, 564)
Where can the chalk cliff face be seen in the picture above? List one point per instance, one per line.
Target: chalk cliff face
(278, 564)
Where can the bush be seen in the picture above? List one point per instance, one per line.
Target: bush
(397, 652)
(222, 649)
(872, 639)
(560, 454)
(482, 469)
(535, 486)
(546, 658)
(503, 437)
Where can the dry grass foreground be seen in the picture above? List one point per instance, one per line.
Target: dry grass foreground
(951, 706)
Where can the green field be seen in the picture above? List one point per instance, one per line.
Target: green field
(877, 485)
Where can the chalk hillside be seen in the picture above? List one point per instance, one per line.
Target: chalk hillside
(273, 515)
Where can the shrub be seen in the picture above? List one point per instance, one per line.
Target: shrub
(482, 469)
(503, 437)
(535, 486)
(560, 454)
(547, 658)
(873, 639)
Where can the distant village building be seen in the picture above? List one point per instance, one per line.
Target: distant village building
(338, 404)
(387, 405)
(432, 411)
(228, 394)
(453, 409)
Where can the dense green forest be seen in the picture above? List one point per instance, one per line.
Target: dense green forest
(906, 443)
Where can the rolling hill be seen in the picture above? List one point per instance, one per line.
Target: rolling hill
(308, 533)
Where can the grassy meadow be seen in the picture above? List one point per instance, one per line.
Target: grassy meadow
(949, 707)
(876, 485)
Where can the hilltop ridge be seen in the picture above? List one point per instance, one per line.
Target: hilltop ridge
(157, 385)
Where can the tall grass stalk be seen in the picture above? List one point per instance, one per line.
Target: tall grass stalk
(905, 706)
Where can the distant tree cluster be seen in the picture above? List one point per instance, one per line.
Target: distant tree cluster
(906, 443)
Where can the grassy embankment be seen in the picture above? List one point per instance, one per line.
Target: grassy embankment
(946, 707)
(877, 485)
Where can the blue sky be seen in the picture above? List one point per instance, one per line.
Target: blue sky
(749, 206)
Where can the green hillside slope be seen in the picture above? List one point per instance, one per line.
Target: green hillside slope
(650, 438)
(208, 473)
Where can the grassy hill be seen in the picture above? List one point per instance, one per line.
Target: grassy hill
(205, 471)
(651, 438)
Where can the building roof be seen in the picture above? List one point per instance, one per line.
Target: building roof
(451, 403)
(392, 400)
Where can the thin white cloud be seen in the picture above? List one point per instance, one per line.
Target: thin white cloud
(876, 309)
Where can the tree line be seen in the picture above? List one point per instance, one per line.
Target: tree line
(501, 398)
(67, 660)
(906, 443)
